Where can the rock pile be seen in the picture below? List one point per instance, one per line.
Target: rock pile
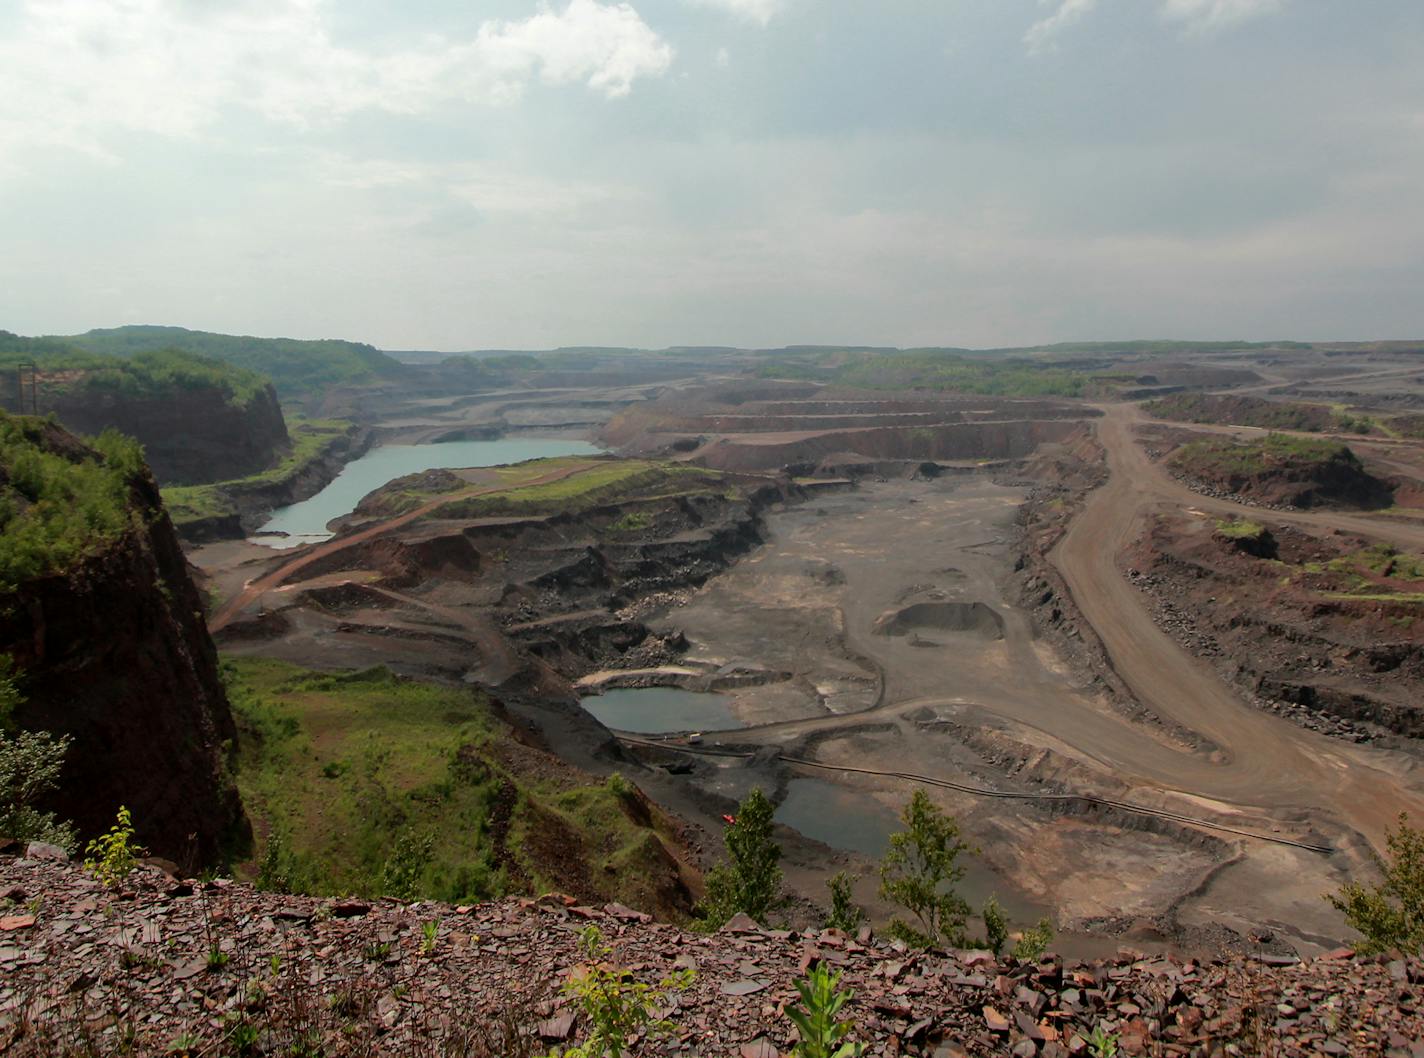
(174, 966)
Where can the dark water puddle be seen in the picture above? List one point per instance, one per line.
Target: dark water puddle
(658, 710)
(854, 821)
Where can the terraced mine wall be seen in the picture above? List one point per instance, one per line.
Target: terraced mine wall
(956, 441)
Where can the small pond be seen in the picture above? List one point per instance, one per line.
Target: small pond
(854, 821)
(306, 522)
(659, 710)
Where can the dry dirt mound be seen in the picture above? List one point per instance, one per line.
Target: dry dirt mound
(971, 618)
(1282, 471)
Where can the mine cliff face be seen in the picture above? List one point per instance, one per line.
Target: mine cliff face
(190, 436)
(115, 653)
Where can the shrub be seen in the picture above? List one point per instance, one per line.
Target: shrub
(845, 913)
(406, 865)
(751, 882)
(30, 763)
(919, 872)
(1034, 942)
(1391, 914)
(815, 1020)
(617, 1006)
(112, 856)
(996, 925)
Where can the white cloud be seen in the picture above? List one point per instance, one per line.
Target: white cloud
(1210, 14)
(1203, 15)
(1042, 35)
(759, 11)
(73, 71)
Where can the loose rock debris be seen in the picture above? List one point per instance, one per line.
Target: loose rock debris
(171, 966)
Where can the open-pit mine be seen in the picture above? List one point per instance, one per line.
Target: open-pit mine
(1152, 636)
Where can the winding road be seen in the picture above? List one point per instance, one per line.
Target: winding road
(255, 589)
(1260, 759)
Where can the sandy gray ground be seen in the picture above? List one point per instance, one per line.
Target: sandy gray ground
(981, 702)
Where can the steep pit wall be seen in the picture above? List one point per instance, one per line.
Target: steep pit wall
(954, 441)
(190, 436)
(115, 654)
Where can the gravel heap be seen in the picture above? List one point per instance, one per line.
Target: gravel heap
(164, 965)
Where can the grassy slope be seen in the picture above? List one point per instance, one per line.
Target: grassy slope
(602, 482)
(1222, 458)
(1253, 411)
(598, 481)
(293, 365)
(343, 767)
(311, 438)
(947, 371)
(59, 500)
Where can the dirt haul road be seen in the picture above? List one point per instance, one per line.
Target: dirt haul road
(1258, 759)
(255, 589)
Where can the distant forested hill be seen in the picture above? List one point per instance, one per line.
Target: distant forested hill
(294, 366)
(199, 419)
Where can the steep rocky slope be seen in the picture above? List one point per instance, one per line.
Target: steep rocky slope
(106, 632)
(189, 434)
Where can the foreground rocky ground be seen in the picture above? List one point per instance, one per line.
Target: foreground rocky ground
(169, 966)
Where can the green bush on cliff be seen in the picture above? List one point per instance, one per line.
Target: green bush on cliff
(59, 501)
(30, 763)
(1390, 914)
(158, 372)
(164, 371)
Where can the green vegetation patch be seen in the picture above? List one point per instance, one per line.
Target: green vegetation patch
(66, 367)
(1255, 411)
(293, 365)
(1240, 529)
(602, 481)
(368, 783)
(60, 500)
(947, 370)
(1224, 457)
(311, 440)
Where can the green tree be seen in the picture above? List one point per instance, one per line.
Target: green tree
(751, 881)
(1391, 914)
(1034, 942)
(919, 872)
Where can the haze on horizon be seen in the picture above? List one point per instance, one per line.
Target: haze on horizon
(517, 173)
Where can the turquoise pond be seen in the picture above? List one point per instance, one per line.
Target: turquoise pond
(306, 522)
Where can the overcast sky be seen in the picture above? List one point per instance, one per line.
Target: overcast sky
(516, 173)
